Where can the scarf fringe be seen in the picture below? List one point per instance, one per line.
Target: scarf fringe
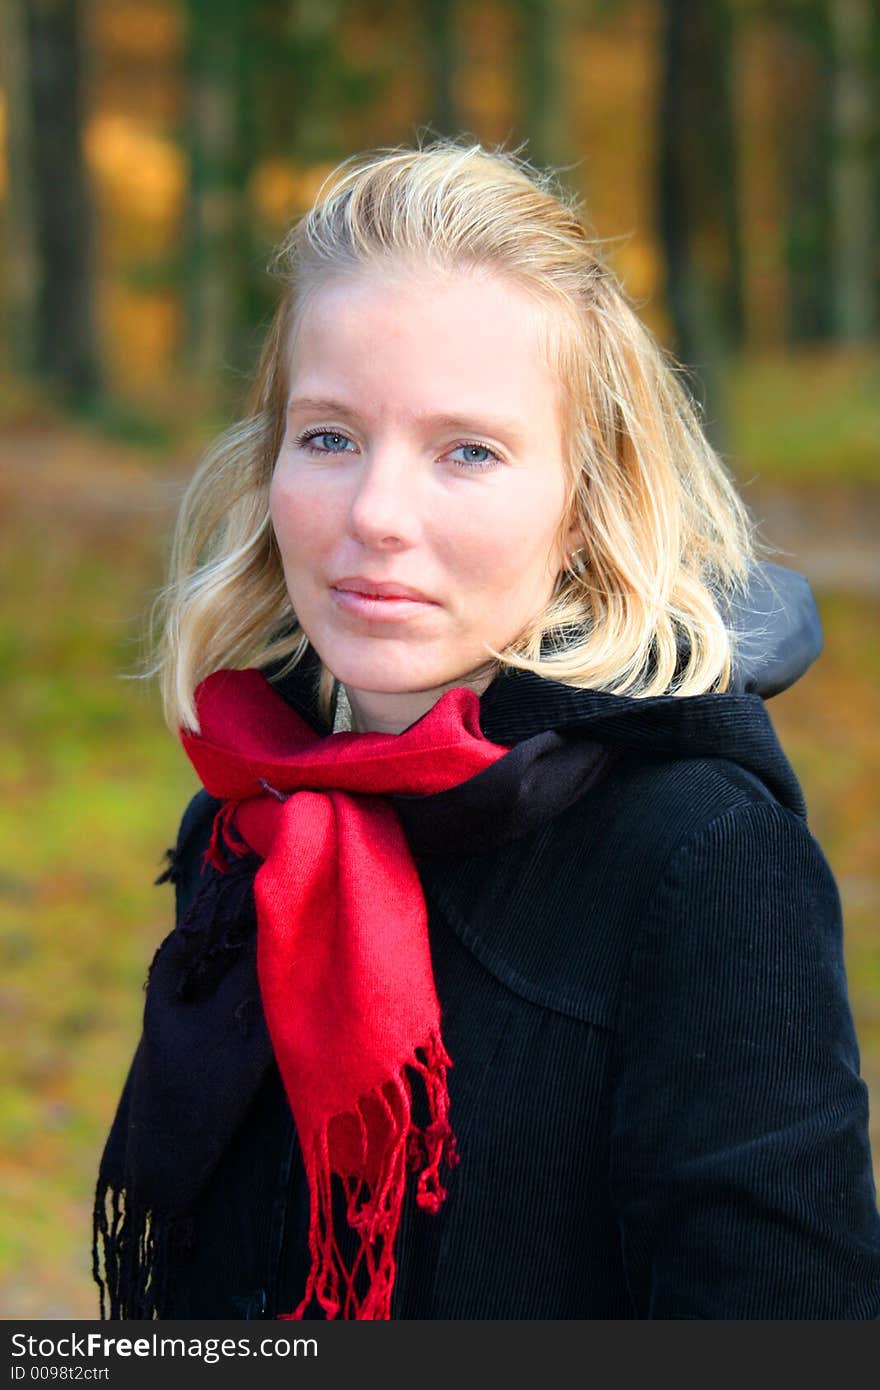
(135, 1253)
(137, 1249)
(376, 1216)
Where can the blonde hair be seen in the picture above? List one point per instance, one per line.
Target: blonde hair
(664, 534)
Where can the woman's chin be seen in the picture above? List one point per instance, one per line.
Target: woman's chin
(403, 673)
(401, 677)
(393, 685)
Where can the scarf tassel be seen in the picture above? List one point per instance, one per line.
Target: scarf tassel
(384, 1116)
(135, 1252)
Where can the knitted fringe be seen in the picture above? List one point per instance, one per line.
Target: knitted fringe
(135, 1253)
(376, 1215)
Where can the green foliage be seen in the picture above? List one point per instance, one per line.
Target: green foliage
(128, 424)
(806, 417)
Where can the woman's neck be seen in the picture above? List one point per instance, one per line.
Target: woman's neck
(383, 712)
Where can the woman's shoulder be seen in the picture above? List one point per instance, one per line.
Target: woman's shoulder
(687, 788)
(711, 812)
(649, 807)
(662, 846)
(726, 868)
(695, 833)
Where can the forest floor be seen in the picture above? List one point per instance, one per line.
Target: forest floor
(94, 786)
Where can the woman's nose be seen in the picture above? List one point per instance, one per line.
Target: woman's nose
(385, 506)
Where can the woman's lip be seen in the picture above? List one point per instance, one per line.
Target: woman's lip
(381, 608)
(378, 589)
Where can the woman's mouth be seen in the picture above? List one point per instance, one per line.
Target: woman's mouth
(380, 600)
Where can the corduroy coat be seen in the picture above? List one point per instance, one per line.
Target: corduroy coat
(655, 1090)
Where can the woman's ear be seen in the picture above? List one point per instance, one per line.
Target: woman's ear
(574, 541)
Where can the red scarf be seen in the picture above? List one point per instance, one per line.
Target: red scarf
(343, 960)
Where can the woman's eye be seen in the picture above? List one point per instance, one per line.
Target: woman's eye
(324, 441)
(477, 456)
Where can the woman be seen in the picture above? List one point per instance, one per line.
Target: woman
(507, 980)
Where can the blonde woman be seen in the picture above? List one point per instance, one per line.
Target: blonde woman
(507, 979)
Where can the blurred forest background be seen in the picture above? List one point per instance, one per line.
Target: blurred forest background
(154, 150)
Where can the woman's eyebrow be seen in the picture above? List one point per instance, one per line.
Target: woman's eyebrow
(506, 429)
(482, 424)
(318, 403)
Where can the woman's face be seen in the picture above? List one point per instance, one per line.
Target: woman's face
(420, 486)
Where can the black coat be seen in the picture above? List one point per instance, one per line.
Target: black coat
(655, 1091)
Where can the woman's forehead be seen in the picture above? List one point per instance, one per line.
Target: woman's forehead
(449, 342)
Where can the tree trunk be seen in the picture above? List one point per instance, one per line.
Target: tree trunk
(441, 60)
(697, 202)
(803, 117)
(542, 47)
(217, 240)
(51, 284)
(316, 78)
(853, 171)
(22, 269)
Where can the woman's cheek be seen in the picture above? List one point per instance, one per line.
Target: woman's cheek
(300, 515)
(280, 511)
